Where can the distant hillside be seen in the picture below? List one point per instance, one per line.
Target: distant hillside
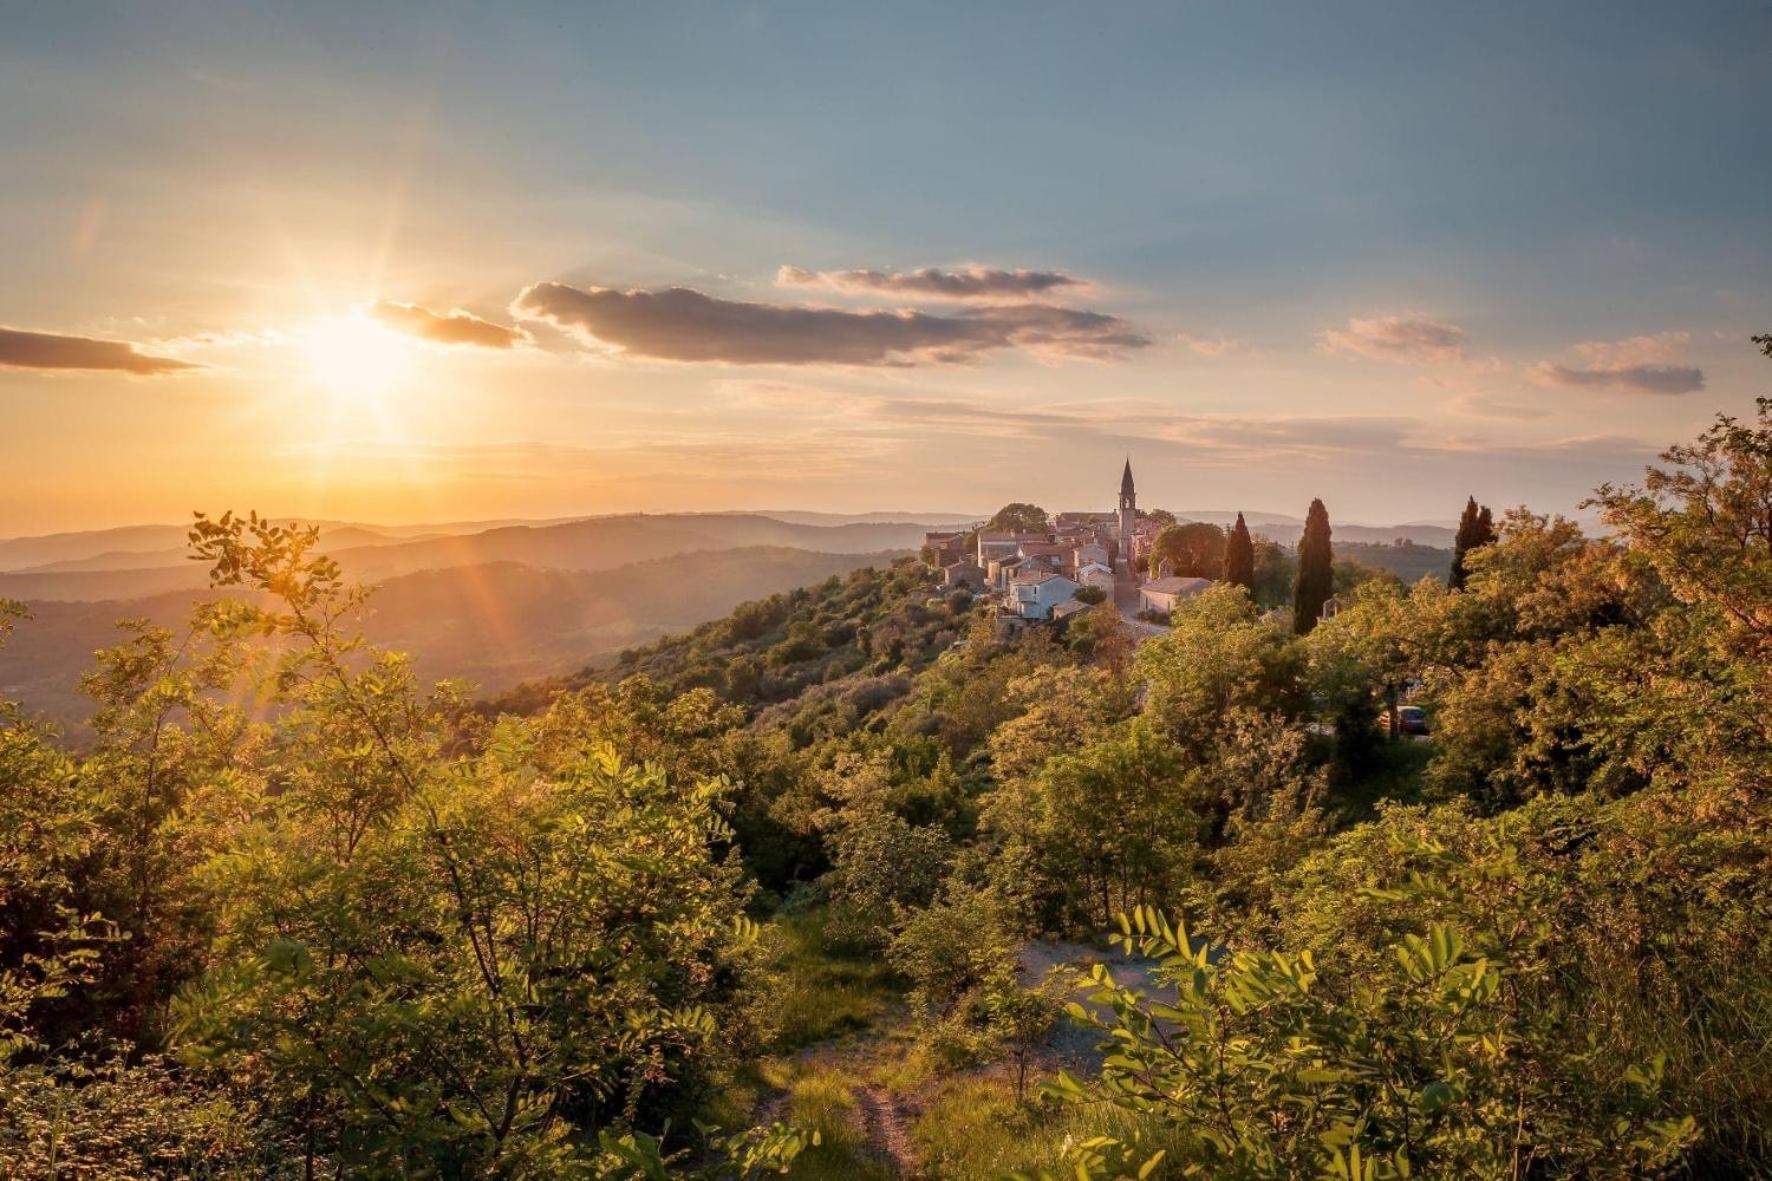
(598, 543)
(1411, 563)
(17, 553)
(1431, 536)
(94, 586)
(493, 624)
(932, 520)
(827, 654)
(331, 541)
(602, 543)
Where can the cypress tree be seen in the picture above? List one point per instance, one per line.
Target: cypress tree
(1461, 542)
(1476, 529)
(1239, 557)
(1316, 579)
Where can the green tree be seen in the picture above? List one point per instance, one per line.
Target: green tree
(1705, 523)
(496, 962)
(1191, 550)
(1315, 574)
(1275, 573)
(1272, 1064)
(1239, 557)
(1111, 824)
(1219, 657)
(1020, 517)
(882, 864)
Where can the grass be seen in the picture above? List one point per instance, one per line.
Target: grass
(827, 996)
(972, 1126)
(825, 992)
(823, 1097)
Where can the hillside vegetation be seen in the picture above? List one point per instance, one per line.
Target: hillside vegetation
(853, 883)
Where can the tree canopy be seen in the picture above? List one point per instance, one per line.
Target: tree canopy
(1020, 517)
(1194, 549)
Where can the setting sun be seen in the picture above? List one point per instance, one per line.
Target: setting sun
(354, 356)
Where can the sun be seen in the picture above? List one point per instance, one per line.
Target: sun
(353, 356)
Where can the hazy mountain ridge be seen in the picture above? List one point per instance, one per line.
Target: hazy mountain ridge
(1287, 530)
(597, 543)
(493, 624)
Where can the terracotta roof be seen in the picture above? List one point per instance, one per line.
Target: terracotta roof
(1176, 586)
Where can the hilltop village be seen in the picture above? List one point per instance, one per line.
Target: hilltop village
(1049, 570)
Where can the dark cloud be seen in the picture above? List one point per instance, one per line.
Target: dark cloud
(47, 350)
(455, 327)
(679, 324)
(987, 284)
(1407, 338)
(1642, 379)
(1640, 364)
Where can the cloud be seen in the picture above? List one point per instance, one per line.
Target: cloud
(1407, 339)
(1642, 379)
(1210, 346)
(453, 327)
(46, 350)
(1640, 364)
(1483, 404)
(974, 282)
(679, 324)
(1656, 349)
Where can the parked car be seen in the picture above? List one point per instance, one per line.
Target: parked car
(1411, 719)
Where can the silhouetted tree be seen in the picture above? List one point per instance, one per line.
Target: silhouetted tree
(1476, 529)
(1239, 557)
(1316, 575)
(1019, 517)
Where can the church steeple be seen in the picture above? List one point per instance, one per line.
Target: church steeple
(1128, 515)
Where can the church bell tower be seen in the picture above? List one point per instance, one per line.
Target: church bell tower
(1128, 513)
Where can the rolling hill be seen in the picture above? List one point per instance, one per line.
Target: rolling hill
(492, 624)
(368, 554)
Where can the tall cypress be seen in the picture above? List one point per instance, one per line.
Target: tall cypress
(1476, 529)
(1461, 543)
(1239, 557)
(1316, 579)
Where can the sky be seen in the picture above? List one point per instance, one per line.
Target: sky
(446, 261)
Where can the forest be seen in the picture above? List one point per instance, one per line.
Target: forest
(850, 884)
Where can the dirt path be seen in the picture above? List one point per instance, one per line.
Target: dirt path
(886, 1125)
(882, 1120)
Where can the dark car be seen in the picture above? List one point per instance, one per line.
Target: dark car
(1411, 719)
